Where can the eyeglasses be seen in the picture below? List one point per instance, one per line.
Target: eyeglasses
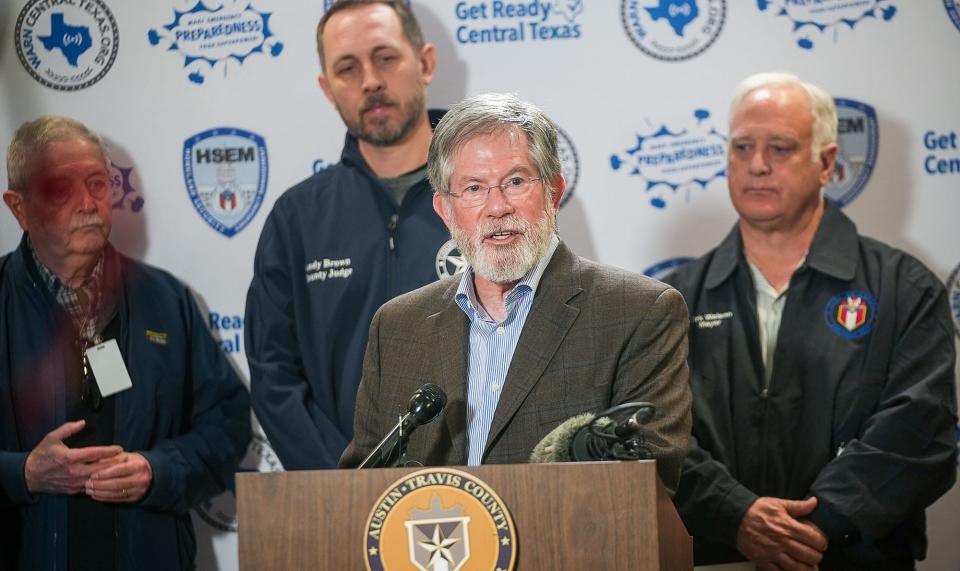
(514, 187)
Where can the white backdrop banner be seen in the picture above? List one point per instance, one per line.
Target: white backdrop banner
(211, 109)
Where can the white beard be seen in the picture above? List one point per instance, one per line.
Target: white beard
(510, 262)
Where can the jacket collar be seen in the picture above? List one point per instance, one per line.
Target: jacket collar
(833, 250)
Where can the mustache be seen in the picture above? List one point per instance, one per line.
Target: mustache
(375, 100)
(86, 222)
(506, 224)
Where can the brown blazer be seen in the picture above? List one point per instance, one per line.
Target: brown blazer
(596, 336)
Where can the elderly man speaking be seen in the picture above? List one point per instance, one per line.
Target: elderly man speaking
(531, 333)
(118, 411)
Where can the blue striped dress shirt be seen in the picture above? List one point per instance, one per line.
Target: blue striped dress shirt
(491, 349)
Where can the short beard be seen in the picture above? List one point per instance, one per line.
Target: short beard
(509, 263)
(376, 132)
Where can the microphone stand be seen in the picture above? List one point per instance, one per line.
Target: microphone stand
(389, 452)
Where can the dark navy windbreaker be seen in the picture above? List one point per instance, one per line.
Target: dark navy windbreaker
(187, 413)
(334, 249)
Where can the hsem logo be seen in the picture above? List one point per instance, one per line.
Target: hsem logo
(225, 170)
(858, 135)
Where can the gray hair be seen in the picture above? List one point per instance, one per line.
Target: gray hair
(33, 137)
(822, 107)
(487, 114)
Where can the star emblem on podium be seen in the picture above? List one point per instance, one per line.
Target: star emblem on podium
(438, 547)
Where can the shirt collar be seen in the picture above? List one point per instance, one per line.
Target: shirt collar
(56, 287)
(833, 250)
(466, 296)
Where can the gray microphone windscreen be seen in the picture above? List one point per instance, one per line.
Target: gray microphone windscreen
(555, 446)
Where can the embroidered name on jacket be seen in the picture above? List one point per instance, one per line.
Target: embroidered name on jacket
(711, 320)
(329, 269)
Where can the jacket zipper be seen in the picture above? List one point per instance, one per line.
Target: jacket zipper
(392, 242)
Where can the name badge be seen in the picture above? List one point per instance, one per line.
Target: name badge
(108, 367)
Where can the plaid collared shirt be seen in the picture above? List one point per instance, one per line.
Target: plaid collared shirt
(69, 298)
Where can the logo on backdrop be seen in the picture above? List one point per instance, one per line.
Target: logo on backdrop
(125, 194)
(228, 329)
(450, 262)
(570, 162)
(668, 160)
(664, 268)
(208, 39)
(953, 9)
(673, 30)
(859, 138)
(497, 21)
(440, 518)
(953, 286)
(225, 170)
(851, 314)
(220, 512)
(826, 18)
(328, 3)
(943, 156)
(67, 45)
(321, 165)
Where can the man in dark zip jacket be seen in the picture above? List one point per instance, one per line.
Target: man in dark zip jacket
(97, 471)
(822, 363)
(341, 243)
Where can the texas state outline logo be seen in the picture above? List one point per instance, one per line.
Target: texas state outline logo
(673, 30)
(66, 45)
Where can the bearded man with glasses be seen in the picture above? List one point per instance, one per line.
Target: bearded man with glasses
(118, 410)
(530, 334)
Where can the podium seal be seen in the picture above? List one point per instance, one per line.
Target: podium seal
(438, 519)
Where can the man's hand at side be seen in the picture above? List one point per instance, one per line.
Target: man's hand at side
(773, 536)
(54, 468)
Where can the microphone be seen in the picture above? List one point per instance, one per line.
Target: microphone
(590, 438)
(426, 404)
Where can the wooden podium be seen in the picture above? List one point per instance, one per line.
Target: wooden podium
(583, 516)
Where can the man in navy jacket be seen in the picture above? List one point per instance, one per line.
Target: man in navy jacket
(821, 363)
(341, 243)
(91, 478)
